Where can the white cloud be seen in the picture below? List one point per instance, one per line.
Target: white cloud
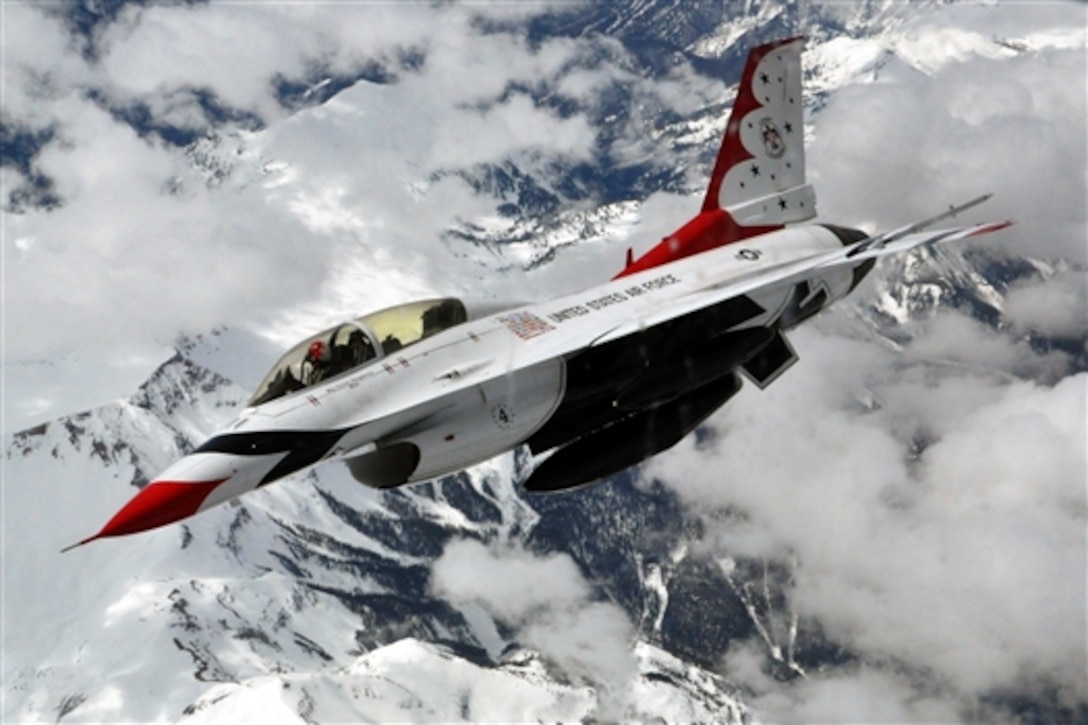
(468, 137)
(550, 606)
(237, 49)
(1058, 306)
(849, 694)
(510, 583)
(967, 562)
(585, 84)
(953, 338)
(908, 147)
(684, 91)
(122, 259)
(40, 63)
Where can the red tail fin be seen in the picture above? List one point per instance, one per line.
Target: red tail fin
(758, 182)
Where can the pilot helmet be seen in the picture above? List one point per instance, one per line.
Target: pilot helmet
(319, 352)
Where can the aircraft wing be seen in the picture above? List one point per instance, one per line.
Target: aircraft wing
(896, 242)
(866, 250)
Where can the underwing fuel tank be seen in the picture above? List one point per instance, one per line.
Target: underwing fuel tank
(631, 440)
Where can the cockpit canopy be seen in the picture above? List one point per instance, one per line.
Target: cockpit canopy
(345, 347)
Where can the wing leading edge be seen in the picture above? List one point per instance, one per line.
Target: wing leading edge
(640, 388)
(864, 251)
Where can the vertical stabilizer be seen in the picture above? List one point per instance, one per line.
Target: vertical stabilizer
(759, 177)
(758, 184)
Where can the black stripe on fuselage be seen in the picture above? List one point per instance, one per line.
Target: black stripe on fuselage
(303, 447)
(848, 236)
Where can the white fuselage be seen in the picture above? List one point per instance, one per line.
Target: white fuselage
(481, 388)
(592, 383)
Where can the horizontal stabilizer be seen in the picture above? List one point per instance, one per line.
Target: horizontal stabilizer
(866, 250)
(907, 237)
(788, 273)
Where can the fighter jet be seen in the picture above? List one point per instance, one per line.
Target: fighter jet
(593, 382)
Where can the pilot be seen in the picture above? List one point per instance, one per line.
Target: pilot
(442, 316)
(319, 356)
(359, 348)
(391, 344)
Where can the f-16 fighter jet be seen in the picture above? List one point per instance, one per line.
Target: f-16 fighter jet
(592, 382)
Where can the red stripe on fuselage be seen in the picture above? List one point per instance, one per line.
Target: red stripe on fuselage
(709, 230)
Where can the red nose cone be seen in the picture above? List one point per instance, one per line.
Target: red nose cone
(158, 504)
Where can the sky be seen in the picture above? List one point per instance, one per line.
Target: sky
(954, 571)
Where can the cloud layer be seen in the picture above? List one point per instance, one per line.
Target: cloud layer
(936, 515)
(141, 248)
(1001, 121)
(549, 607)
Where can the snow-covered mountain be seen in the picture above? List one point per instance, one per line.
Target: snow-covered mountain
(322, 588)
(890, 532)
